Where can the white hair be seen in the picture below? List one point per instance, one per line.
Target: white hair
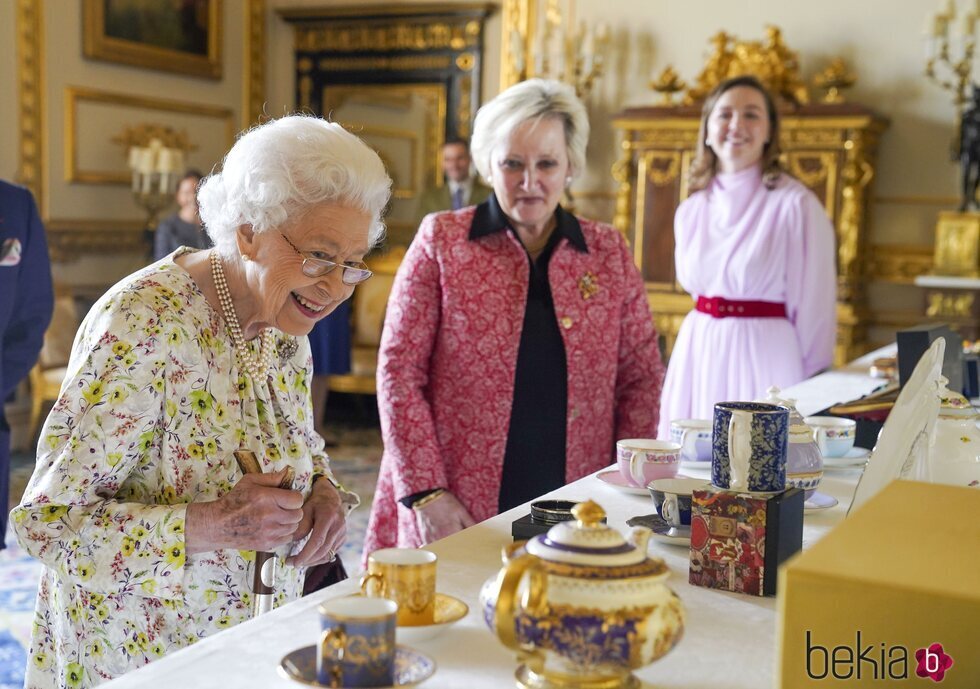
(280, 169)
(530, 100)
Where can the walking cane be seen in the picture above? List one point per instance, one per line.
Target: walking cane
(264, 576)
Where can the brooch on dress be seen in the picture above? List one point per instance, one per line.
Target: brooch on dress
(287, 349)
(588, 285)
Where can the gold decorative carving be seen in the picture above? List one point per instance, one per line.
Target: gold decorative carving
(406, 62)
(623, 174)
(673, 138)
(833, 79)
(464, 113)
(75, 95)
(958, 244)
(386, 37)
(304, 65)
(667, 84)
(812, 176)
(660, 167)
(305, 92)
(856, 174)
(253, 91)
(773, 63)
(899, 263)
(465, 61)
(69, 239)
(806, 138)
(949, 305)
(30, 82)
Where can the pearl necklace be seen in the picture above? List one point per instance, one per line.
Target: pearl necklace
(257, 366)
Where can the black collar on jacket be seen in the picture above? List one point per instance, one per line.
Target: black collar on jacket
(490, 218)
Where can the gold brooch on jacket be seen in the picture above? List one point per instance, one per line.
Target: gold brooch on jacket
(588, 285)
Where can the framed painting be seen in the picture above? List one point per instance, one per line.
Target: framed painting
(183, 37)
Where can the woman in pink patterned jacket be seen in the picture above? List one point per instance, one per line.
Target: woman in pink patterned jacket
(518, 344)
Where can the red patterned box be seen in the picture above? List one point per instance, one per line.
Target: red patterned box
(739, 540)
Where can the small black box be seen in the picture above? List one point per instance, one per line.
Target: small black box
(527, 527)
(971, 376)
(913, 343)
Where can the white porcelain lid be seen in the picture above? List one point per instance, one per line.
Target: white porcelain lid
(585, 541)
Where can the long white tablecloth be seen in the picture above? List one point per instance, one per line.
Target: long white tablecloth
(729, 639)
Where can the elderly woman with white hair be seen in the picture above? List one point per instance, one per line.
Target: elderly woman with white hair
(518, 344)
(138, 510)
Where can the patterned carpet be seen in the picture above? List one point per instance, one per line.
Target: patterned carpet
(355, 462)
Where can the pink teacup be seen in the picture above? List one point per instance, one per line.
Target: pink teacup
(641, 461)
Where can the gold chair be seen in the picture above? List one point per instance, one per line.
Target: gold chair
(367, 318)
(49, 372)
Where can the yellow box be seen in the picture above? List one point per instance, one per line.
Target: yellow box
(904, 573)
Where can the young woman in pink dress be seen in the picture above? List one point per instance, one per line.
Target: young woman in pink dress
(755, 249)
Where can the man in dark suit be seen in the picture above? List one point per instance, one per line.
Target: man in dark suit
(26, 301)
(461, 189)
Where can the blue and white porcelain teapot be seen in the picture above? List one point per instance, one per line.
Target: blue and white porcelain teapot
(582, 605)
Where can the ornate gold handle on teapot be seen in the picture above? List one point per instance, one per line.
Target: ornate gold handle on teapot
(533, 602)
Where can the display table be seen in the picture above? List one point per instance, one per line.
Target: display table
(729, 640)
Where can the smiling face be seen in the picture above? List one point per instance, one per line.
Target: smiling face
(738, 128)
(528, 172)
(282, 296)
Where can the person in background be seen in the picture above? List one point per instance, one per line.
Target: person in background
(184, 227)
(330, 343)
(461, 188)
(518, 344)
(26, 304)
(137, 508)
(755, 248)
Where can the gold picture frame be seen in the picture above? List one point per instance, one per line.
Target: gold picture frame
(118, 31)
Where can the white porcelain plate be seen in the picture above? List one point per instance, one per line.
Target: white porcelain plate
(411, 667)
(819, 501)
(855, 458)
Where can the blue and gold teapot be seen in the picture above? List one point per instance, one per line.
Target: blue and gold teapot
(582, 605)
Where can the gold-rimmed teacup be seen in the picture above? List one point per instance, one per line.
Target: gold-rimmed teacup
(357, 642)
(406, 576)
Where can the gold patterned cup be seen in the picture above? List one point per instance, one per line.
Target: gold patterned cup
(406, 576)
(357, 642)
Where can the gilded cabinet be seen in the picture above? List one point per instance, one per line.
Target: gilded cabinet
(830, 148)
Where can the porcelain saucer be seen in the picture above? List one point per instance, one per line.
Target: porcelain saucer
(411, 667)
(614, 479)
(855, 458)
(662, 531)
(819, 501)
(449, 610)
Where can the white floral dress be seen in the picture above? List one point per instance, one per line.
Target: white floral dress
(153, 406)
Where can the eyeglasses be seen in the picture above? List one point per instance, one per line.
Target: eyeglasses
(313, 267)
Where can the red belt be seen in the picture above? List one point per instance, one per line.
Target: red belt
(719, 307)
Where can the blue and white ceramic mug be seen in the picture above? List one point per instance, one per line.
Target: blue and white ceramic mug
(357, 643)
(749, 442)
